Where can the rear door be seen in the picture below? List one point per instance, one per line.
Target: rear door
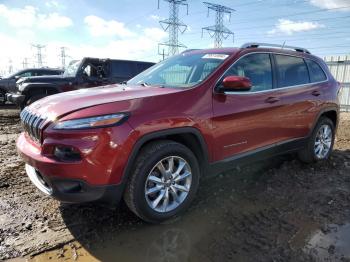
(244, 121)
(300, 99)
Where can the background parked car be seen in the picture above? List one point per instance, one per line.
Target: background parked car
(89, 72)
(8, 84)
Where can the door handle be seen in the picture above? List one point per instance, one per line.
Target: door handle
(272, 99)
(315, 93)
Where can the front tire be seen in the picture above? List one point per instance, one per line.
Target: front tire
(320, 144)
(2, 97)
(164, 181)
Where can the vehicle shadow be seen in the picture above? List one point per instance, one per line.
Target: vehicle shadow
(118, 234)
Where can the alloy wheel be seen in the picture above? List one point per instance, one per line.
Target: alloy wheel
(323, 141)
(168, 184)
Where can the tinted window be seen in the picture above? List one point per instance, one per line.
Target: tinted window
(316, 72)
(257, 67)
(291, 70)
(26, 74)
(123, 69)
(142, 67)
(49, 73)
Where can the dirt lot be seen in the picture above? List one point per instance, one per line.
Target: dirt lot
(276, 210)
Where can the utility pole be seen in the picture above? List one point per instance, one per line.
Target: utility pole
(63, 56)
(218, 31)
(39, 54)
(173, 26)
(10, 70)
(25, 63)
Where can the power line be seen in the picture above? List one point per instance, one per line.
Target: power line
(173, 25)
(218, 31)
(269, 26)
(295, 14)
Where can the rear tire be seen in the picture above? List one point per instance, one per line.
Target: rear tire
(320, 144)
(157, 190)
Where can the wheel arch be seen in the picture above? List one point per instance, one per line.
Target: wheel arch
(331, 112)
(40, 89)
(188, 136)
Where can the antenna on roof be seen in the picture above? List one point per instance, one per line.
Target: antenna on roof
(283, 44)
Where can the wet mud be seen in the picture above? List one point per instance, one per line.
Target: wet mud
(275, 210)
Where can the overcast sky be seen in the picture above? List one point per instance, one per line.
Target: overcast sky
(130, 29)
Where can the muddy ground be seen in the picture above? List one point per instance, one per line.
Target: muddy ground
(276, 210)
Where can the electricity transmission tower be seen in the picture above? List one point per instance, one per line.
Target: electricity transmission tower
(218, 31)
(63, 56)
(25, 63)
(39, 54)
(10, 69)
(173, 25)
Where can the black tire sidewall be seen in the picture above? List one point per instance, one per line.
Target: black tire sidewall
(34, 98)
(321, 122)
(141, 204)
(2, 93)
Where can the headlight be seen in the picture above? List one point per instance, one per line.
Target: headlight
(92, 122)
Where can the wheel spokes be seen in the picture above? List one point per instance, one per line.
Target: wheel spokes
(182, 177)
(168, 184)
(156, 180)
(158, 199)
(153, 190)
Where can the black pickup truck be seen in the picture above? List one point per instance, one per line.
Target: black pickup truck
(85, 73)
(8, 83)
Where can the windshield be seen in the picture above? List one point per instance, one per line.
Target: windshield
(184, 70)
(72, 68)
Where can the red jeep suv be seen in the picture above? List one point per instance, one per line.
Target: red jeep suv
(151, 140)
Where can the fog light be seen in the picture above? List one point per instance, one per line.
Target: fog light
(65, 153)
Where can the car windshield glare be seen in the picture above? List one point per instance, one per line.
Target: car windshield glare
(72, 68)
(181, 71)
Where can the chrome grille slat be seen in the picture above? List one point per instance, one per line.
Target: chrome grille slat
(32, 124)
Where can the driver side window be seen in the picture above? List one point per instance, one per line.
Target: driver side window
(257, 67)
(25, 74)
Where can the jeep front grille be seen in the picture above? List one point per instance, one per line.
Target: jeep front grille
(32, 124)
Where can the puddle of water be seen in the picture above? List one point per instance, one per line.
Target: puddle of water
(176, 241)
(334, 244)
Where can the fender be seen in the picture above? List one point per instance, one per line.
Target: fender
(320, 113)
(161, 134)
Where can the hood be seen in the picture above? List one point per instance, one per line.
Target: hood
(57, 105)
(45, 79)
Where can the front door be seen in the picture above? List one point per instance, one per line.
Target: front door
(246, 120)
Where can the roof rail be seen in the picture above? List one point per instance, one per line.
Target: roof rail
(298, 49)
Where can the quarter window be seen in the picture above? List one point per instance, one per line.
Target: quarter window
(316, 72)
(257, 67)
(291, 71)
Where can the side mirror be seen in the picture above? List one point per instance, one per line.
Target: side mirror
(17, 77)
(236, 83)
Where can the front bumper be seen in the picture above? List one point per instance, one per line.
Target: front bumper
(74, 190)
(17, 99)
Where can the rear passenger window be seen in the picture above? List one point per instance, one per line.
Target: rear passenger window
(291, 71)
(123, 69)
(257, 67)
(316, 72)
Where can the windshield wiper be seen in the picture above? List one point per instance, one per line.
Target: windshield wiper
(144, 84)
